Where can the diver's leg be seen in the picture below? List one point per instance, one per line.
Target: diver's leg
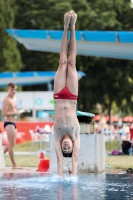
(60, 77)
(72, 77)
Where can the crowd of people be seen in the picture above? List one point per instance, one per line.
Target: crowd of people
(114, 130)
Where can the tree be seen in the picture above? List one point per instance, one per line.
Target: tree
(10, 59)
(107, 81)
(47, 15)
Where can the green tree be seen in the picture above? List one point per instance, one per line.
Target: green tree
(107, 81)
(10, 59)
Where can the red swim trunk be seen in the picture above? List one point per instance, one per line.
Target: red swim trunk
(65, 94)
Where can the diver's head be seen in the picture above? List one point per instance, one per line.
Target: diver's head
(67, 146)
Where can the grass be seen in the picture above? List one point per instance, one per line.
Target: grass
(112, 145)
(119, 162)
(23, 147)
(115, 162)
(26, 160)
(27, 146)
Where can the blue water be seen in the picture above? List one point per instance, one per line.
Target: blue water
(51, 187)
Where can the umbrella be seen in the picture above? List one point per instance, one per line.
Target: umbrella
(97, 118)
(127, 119)
(113, 118)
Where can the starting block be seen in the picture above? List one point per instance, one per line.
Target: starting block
(2, 161)
(91, 155)
(92, 148)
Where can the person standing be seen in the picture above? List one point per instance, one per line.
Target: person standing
(9, 112)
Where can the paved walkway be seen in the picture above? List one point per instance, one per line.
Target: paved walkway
(23, 170)
(28, 153)
(33, 170)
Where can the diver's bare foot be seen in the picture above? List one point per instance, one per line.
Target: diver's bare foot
(73, 19)
(16, 167)
(67, 18)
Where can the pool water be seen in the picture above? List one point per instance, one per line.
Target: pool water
(51, 187)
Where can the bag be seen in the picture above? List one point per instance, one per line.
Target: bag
(115, 152)
(85, 119)
(126, 145)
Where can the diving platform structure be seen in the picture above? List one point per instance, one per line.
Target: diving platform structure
(109, 44)
(31, 78)
(92, 148)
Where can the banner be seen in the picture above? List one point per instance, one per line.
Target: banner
(34, 100)
(25, 130)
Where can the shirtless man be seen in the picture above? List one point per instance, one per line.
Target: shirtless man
(9, 111)
(66, 125)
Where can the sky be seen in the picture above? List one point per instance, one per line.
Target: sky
(132, 2)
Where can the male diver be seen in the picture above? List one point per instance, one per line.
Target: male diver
(66, 125)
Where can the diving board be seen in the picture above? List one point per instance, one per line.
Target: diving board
(78, 113)
(109, 44)
(31, 78)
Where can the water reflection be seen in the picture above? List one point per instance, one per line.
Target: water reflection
(87, 186)
(119, 186)
(29, 186)
(64, 193)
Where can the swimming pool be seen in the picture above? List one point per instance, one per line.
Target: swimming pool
(50, 187)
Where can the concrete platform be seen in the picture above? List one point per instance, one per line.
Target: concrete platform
(91, 155)
(23, 170)
(28, 170)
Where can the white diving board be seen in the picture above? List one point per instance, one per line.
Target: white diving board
(78, 113)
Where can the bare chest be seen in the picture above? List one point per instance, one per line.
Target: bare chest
(71, 129)
(12, 104)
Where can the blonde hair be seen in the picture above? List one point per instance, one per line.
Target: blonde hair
(11, 85)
